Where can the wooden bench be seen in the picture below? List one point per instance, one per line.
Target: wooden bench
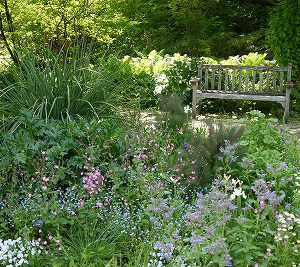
(260, 83)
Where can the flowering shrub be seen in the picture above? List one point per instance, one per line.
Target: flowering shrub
(17, 252)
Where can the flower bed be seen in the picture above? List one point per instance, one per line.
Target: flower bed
(113, 194)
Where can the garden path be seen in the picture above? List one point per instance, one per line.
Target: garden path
(204, 121)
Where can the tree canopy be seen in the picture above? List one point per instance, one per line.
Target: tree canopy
(197, 27)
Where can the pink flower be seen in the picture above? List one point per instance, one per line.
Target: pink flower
(55, 213)
(45, 179)
(160, 185)
(106, 199)
(80, 203)
(262, 204)
(44, 187)
(93, 181)
(99, 204)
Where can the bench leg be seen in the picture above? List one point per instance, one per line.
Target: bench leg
(286, 114)
(194, 103)
(194, 108)
(287, 106)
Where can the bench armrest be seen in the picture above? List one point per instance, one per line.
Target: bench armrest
(195, 81)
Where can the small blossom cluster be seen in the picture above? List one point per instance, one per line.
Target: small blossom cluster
(161, 82)
(213, 207)
(92, 181)
(228, 151)
(163, 254)
(277, 168)
(234, 185)
(16, 252)
(288, 225)
(185, 167)
(160, 207)
(266, 197)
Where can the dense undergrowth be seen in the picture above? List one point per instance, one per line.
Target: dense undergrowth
(112, 193)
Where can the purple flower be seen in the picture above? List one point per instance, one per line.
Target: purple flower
(195, 239)
(185, 145)
(282, 166)
(165, 250)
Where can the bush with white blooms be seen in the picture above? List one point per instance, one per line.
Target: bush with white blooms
(16, 252)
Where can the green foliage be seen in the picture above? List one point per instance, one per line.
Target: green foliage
(64, 86)
(195, 27)
(199, 27)
(284, 38)
(263, 141)
(284, 35)
(173, 115)
(38, 146)
(206, 151)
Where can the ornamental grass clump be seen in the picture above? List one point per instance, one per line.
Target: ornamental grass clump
(61, 86)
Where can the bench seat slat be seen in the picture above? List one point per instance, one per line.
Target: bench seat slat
(206, 80)
(258, 97)
(213, 80)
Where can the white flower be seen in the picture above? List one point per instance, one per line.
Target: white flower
(158, 89)
(187, 109)
(161, 78)
(237, 192)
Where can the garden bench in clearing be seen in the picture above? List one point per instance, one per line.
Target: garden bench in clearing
(260, 83)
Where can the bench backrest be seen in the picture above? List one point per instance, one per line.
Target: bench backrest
(265, 80)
